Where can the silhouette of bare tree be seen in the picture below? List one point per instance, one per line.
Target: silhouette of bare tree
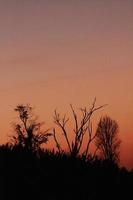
(107, 140)
(82, 126)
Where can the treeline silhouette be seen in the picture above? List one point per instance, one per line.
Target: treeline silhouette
(30, 171)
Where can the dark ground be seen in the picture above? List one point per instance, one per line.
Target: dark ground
(51, 176)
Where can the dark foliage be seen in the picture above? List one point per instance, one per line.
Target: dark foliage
(28, 132)
(53, 175)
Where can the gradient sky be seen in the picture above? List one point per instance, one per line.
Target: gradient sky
(56, 52)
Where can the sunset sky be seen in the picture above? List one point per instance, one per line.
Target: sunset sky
(57, 52)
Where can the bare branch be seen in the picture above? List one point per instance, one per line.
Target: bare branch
(62, 123)
(56, 141)
(80, 128)
(75, 118)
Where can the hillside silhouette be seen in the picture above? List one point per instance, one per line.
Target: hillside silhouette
(30, 171)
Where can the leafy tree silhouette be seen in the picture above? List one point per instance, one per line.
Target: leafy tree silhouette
(107, 141)
(28, 132)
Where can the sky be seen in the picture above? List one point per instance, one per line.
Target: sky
(57, 52)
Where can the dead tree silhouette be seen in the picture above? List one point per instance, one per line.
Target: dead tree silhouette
(82, 127)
